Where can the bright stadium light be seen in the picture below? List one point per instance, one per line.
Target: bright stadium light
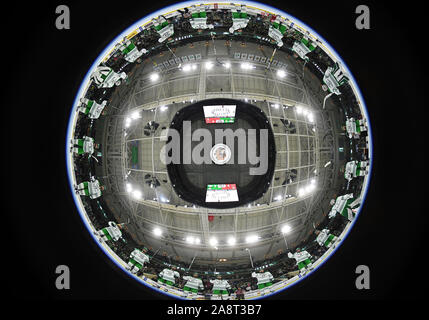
(213, 242)
(281, 73)
(305, 112)
(231, 241)
(154, 77)
(136, 194)
(135, 115)
(129, 187)
(187, 68)
(157, 231)
(278, 198)
(252, 239)
(164, 199)
(163, 108)
(209, 65)
(227, 65)
(246, 66)
(190, 239)
(286, 229)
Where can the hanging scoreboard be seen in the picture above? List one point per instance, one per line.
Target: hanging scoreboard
(221, 193)
(219, 113)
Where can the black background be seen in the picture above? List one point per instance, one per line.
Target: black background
(44, 69)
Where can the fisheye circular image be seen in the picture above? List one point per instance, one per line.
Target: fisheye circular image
(219, 151)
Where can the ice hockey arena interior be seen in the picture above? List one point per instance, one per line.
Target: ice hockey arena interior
(213, 230)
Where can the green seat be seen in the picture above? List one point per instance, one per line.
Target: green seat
(344, 80)
(235, 15)
(282, 28)
(203, 14)
(243, 15)
(129, 48)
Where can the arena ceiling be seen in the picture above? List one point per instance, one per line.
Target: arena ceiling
(300, 158)
(196, 66)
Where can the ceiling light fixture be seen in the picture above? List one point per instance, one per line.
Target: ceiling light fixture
(136, 194)
(154, 77)
(281, 73)
(252, 239)
(231, 241)
(157, 232)
(286, 229)
(135, 115)
(213, 242)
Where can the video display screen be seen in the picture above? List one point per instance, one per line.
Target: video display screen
(221, 193)
(219, 113)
